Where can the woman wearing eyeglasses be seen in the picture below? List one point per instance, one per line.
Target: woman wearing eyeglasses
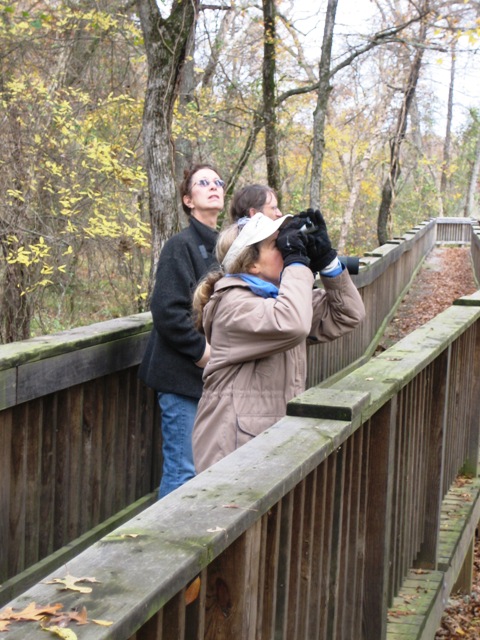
(257, 313)
(176, 352)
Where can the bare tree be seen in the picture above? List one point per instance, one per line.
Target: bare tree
(166, 43)
(319, 115)
(473, 177)
(388, 189)
(269, 96)
(447, 143)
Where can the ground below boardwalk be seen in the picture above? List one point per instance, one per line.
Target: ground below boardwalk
(445, 276)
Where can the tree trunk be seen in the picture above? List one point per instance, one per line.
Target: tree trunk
(320, 113)
(388, 189)
(269, 97)
(166, 44)
(448, 135)
(183, 145)
(352, 200)
(472, 182)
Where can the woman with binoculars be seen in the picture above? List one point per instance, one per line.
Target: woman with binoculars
(256, 313)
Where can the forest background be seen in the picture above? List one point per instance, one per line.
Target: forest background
(104, 103)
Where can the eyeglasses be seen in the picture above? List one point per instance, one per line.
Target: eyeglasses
(206, 183)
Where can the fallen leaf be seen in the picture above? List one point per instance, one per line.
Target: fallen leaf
(69, 582)
(237, 506)
(66, 634)
(102, 623)
(120, 537)
(31, 612)
(192, 591)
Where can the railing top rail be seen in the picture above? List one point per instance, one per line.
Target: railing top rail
(16, 353)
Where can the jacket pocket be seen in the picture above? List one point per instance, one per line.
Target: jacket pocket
(250, 426)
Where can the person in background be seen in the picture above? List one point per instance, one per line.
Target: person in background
(176, 352)
(257, 313)
(255, 197)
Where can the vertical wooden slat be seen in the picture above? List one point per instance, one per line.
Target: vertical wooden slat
(284, 561)
(109, 439)
(335, 607)
(439, 371)
(48, 470)
(232, 591)
(75, 469)
(16, 558)
(173, 627)
(473, 422)
(6, 494)
(93, 395)
(379, 516)
(33, 506)
(294, 607)
(121, 461)
(306, 597)
(325, 591)
(270, 545)
(313, 630)
(62, 475)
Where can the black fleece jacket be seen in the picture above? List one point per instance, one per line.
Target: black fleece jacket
(175, 345)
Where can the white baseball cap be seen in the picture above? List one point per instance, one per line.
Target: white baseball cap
(255, 229)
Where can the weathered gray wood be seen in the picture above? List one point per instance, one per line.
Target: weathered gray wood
(379, 522)
(48, 375)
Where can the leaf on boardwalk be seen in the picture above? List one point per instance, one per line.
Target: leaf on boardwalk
(66, 634)
(70, 582)
(31, 612)
(120, 537)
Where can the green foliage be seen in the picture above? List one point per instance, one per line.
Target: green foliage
(72, 169)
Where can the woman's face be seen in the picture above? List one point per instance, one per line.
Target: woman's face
(206, 198)
(269, 264)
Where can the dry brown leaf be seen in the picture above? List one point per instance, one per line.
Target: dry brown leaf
(192, 591)
(66, 634)
(31, 612)
(70, 582)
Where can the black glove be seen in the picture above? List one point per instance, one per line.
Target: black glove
(319, 247)
(292, 245)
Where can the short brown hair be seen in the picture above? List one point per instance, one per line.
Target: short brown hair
(253, 196)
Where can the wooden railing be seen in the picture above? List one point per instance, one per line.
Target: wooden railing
(80, 446)
(475, 251)
(309, 530)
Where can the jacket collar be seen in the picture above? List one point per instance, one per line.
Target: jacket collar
(207, 235)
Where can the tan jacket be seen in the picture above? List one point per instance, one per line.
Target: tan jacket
(258, 354)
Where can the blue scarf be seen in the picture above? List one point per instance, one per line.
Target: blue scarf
(258, 286)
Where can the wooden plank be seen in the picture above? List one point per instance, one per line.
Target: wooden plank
(284, 563)
(270, 549)
(318, 402)
(294, 605)
(49, 375)
(45, 347)
(47, 474)
(427, 556)
(379, 516)
(8, 388)
(33, 506)
(6, 495)
(16, 516)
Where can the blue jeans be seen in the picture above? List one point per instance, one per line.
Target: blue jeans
(178, 416)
